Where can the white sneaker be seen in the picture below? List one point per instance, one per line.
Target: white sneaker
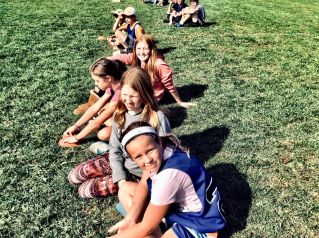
(100, 148)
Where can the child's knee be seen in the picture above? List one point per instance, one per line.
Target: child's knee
(104, 134)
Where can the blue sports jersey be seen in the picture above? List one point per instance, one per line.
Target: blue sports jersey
(209, 219)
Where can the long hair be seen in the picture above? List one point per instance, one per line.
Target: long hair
(104, 67)
(139, 80)
(150, 64)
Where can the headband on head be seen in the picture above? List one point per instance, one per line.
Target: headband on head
(137, 132)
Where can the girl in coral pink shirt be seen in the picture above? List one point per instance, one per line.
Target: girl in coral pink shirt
(145, 55)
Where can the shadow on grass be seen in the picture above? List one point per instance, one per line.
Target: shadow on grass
(164, 51)
(176, 116)
(186, 93)
(207, 143)
(236, 195)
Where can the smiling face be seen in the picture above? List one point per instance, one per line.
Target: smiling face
(143, 51)
(101, 83)
(146, 152)
(131, 99)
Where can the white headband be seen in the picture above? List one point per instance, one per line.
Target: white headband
(136, 132)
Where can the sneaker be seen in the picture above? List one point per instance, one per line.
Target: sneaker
(100, 148)
(165, 21)
(178, 25)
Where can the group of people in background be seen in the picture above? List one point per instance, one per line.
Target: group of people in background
(137, 156)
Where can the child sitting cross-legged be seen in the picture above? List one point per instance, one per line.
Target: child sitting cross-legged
(174, 186)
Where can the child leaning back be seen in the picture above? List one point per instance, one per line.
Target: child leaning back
(146, 56)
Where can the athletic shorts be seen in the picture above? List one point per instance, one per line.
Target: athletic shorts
(186, 232)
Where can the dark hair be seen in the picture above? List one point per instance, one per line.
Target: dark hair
(194, 1)
(104, 67)
(169, 140)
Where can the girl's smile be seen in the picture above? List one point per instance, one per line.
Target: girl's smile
(143, 52)
(131, 99)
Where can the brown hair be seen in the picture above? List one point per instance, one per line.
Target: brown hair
(139, 80)
(150, 65)
(104, 67)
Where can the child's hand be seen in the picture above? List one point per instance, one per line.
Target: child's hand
(121, 225)
(101, 38)
(187, 104)
(71, 131)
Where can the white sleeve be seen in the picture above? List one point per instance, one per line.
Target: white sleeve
(166, 186)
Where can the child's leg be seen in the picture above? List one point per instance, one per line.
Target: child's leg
(185, 17)
(169, 234)
(105, 133)
(122, 38)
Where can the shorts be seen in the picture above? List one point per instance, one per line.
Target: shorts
(186, 232)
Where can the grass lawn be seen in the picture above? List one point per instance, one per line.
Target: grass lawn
(253, 72)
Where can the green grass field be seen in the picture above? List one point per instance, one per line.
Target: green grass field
(253, 72)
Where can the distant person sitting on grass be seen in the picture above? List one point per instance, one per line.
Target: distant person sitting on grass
(106, 75)
(119, 21)
(174, 186)
(176, 14)
(194, 15)
(169, 10)
(132, 31)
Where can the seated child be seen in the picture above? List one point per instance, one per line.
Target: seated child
(194, 15)
(132, 31)
(174, 186)
(106, 75)
(169, 10)
(119, 21)
(176, 14)
(146, 56)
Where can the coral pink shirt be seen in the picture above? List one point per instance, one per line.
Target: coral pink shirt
(163, 75)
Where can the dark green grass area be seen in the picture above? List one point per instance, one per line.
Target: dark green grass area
(253, 72)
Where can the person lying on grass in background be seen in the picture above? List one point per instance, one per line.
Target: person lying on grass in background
(174, 186)
(132, 30)
(119, 21)
(146, 56)
(101, 176)
(106, 75)
(194, 15)
(176, 14)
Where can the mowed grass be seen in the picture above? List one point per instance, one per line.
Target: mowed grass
(253, 72)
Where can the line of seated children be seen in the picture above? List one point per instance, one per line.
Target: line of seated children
(102, 175)
(98, 117)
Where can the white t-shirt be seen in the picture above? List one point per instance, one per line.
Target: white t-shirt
(174, 186)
